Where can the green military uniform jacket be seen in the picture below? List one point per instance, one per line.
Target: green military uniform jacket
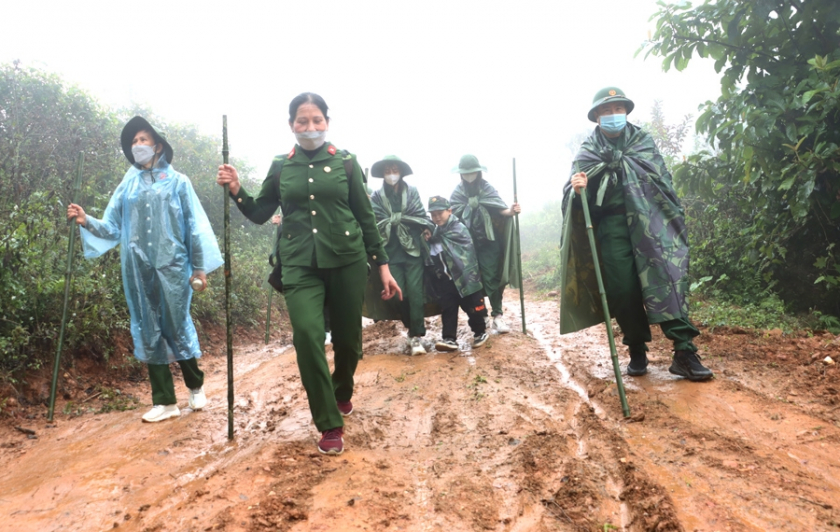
(328, 221)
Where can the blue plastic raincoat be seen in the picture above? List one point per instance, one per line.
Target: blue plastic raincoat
(164, 235)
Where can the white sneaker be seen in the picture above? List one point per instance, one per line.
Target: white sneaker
(417, 346)
(500, 325)
(197, 399)
(160, 413)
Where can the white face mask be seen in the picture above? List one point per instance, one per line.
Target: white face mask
(311, 140)
(469, 178)
(392, 179)
(142, 153)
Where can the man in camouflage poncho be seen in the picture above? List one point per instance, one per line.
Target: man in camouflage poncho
(640, 229)
(456, 281)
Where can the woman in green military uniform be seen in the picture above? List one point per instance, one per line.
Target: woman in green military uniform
(401, 219)
(328, 230)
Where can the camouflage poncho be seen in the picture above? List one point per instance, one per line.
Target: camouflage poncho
(656, 222)
(412, 213)
(473, 212)
(458, 254)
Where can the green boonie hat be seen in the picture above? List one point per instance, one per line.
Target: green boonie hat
(609, 94)
(468, 165)
(378, 168)
(438, 203)
(138, 123)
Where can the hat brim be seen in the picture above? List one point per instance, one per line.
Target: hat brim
(459, 170)
(138, 123)
(378, 168)
(627, 102)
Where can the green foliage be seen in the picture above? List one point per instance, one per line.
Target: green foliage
(540, 236)
(43, 126)
(764, 201)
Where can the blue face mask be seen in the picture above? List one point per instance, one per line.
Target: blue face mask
(613, 123)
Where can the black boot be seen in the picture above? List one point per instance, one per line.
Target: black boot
(638, 362)
(687, 364)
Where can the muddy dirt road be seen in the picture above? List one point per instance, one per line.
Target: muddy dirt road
(525, 434)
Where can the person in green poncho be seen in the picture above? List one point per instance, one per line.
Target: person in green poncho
(640, 229)
(479, 206)
(456, 281)
(401, 218)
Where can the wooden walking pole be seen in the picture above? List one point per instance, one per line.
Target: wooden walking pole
(227, 285)
(68, 277)
(518, 251)
(616, 367)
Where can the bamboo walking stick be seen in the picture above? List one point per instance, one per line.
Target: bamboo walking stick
(518, 251)
(68, 277)
(268, 315)
(607, 321)
(227, 285)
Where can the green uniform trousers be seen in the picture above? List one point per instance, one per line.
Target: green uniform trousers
(624, 291)
(489, 254)
(343, 289)
(163, 389)
(409, 275)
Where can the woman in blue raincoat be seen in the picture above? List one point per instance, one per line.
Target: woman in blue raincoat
(166, 247)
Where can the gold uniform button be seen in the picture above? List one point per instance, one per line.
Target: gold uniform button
(327, 169)
(311, 197)
(347, 233)
(310, 166)
(314, 213)
(314, 230)
(239, 200)
(374, 257)
(311, 180)
(289, 237)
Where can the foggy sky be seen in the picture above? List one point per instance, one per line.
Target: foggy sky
(428, 81)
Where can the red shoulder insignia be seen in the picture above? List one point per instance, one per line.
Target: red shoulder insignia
(331, 149)
(291, 154)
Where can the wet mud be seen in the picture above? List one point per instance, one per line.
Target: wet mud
(523, 434)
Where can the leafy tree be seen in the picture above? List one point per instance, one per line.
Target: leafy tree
(43, 126)
(772, 184)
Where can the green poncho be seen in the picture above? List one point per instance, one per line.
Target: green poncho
(473, 212)
(458, 254)
(412, 213)
(656, 222)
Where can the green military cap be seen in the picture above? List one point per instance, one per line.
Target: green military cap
(609, 94)
(138, 123)
(468, 165)
(438, 203)
(378, 168)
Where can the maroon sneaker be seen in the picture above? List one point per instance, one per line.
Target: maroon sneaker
(332, 441)
(345, 407)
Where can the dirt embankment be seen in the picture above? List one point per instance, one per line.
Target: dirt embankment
(524, 434)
